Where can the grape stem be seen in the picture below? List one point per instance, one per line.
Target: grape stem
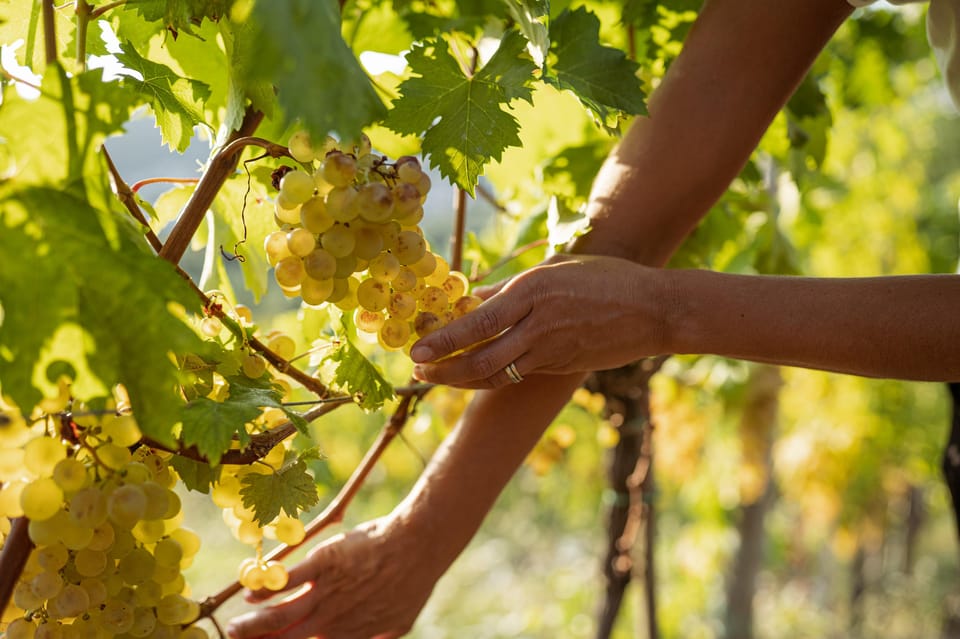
(13, 557)
(49, 32)
(334, 512)
(459, 226)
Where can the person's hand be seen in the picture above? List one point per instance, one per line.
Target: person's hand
(368, 583)
(574, 313)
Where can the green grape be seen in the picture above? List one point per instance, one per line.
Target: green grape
(408, 169)
(406, 199)
(47, 531)
(253, 366)
(341, 289)
(340, 204)
(96, 590)
(296, 187)
(390, 232)
(117, 616)
(165, 574)
(157, 500)
(46, 584)
(315, 292)
(194, 632)
(144, 622)
(426, 323)
(20, 628)
(49, 630)
(455, 286)
(24, 597)
(226, 492)
(41, 499)
(338, 241)
(88, 507)
(433, 300)
(70, 474)
(346, 266)
(282, 344)
(249, 532)
(405, 280)
(440, 273)
(113, 456)
(289, 272)
(126, 505)
(75, 536)
(384, 267)
(176, 609)
(121, 429)
(210, 326)
(410, 247)
(339, 169)
(137, 566)
(90, 563)
(71, 601)
(368, 242)
(412, 219)
(314, 216)
(123, 543)
(300, 241)
(374, 202)
(423, 185)
(402, 305)
(252, 574)
(289, 530)
(275, 576)
(286, 211)
(42, 454)
(149, 593)
(368, 321)
(425, 266)
(301, 148)
(320, 264)
(10, 499)
(168, 552)
(53, 557)
(134, 472)
(103, 534)
(189, 541)
(276, 247)
(373, 294)
(394, 333)
(466, 304)
(149, 531)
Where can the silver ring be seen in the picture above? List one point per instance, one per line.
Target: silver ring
(513, 373)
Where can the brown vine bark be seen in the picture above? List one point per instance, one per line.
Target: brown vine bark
(631, 515)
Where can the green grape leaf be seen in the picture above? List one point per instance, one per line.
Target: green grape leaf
(357, 376)
(97, 277)
(532, 16)
(263, 393)
(473, 127)
(319, 80)
(602, 77)
(290, 489)
(211, 425)
(177, 102)
(181, 15)
(198, 476)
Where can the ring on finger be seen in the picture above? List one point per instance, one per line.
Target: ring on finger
(513, 373)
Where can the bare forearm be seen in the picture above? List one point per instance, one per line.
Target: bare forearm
(740, 63)
(905, 327)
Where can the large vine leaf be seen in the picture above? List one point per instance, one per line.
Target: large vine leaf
(473, 127)
(177, 102)
(297, 46)
(290, 489)
(532, 16)
(602, 77)
(357, 376)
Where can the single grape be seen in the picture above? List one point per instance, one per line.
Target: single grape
(426, 323)
(117, 616)
(144, 622)
(346, 266)
(455, 286)
(340, 204)
(406, 280)
(276, 248)
(412, 219)
(42, 454)
(46, 584)
(168, 551)
(90, 563)
(289, 272)
(121, 429)
(210, 326)
(253, 366)
(315, 292)
(314, 216)
(410, 247)
(390, 232)
(338, 241)
(394, 333)
(73, 535)
(368, 242)
(339, 169)
(126, 505)
(113, 456)
(20, 628)
(466, 304)
(406, 198)
(423, 185)
(440, 272)
(71, 601)
(41, 499)
(368, 321)
(301, 147)
(433, 300)
(285, 211)
(157, 500)
(96, 591)
(425, 266)
(408, 169)
(373, 295)
(24, 597)
(402, 305)
(349, 300)
(374, 202)
(53, 557)
(384, 267)
(320, 264)
(177, 609)
(275, 576)
(289, 530)
(300, 241)
(297, 187)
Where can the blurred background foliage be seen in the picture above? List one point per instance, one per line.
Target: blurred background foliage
(859, 175)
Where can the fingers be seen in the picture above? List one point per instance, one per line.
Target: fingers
(489, 320)
(273, 619)
(322, 563)
(483, 367)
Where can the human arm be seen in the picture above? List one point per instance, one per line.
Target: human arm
(739, 65)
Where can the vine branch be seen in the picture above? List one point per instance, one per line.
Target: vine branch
(334, 512)
(49, 32)
(223, 164)
(460, 222)
(13, 558)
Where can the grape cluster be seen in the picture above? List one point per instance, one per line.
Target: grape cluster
(349, 235)
(105, 524)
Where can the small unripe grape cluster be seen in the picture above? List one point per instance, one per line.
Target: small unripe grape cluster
(349, 235)
(105, 524)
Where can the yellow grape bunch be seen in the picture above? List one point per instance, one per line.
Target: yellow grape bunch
(105, 526)
(349, 235)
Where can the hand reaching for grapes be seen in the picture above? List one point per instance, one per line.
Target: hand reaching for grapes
(573, 313)
(369, 582)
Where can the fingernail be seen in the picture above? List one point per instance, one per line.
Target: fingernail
(421, 353)
(418, 373)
